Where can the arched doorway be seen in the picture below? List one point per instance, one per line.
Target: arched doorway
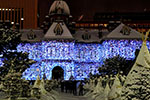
(57, 73)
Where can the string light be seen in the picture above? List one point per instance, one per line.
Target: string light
(70, 56)
(124, 48)
(77, 59)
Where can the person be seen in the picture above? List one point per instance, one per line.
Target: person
(66, 86)
(81, 89)
(62, 85)
(74, 87)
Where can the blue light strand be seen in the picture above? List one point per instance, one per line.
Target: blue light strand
(77, 59)
(60, 53)
(124, 48)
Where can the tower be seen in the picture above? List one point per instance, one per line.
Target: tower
(58, 12)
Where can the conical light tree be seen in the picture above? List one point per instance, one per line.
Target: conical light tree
(98, 89)
(137, 83)
(104, 95)
(115, 89)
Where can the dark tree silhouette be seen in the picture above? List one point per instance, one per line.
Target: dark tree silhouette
(114, 65)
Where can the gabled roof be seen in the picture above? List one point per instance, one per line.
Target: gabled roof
(87, 36)
(123, 32)
(58, 30)
(32, 35)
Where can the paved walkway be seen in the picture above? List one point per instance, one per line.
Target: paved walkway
(62, 96)
(67, 96)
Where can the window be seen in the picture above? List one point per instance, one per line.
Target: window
(86, 36)
(31, 35)
(125, 30)
(58, 29)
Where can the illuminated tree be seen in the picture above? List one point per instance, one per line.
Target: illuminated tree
(15, 63)
(137, 83)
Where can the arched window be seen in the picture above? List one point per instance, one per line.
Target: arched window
(31, 35)
(58, 29)
(125, 30)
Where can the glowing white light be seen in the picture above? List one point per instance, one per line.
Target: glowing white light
(22, 18)
(12, 22)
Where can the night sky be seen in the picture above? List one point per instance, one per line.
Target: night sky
(89, 7)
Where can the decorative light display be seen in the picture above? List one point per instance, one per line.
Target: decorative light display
(65, 54)
(124, 48)
(46, 67)
(82, 70)
(77, 59)
(56, 50)
(1, 62)
(88, 52)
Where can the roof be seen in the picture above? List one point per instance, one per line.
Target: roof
(32, 35)
(123, 32)
(58, 30)
(87, 36)
(59, 7)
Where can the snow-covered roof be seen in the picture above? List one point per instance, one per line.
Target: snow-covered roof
(87, 36)
(58, 30)
(123, 32)
(32, 35)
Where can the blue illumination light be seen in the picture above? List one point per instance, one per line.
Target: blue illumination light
(82, 70)
(65, 54)
(77, 59)
(124, 48)
(1, 62)
(88, 52)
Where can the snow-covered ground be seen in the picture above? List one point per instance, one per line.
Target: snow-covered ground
(67, 96)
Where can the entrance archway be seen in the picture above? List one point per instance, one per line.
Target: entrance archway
(57, 73)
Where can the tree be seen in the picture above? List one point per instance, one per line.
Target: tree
(114, 65)
(9, 38)
(137, 83)
(15, 63)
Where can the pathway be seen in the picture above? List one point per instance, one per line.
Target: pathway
(67, 96)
